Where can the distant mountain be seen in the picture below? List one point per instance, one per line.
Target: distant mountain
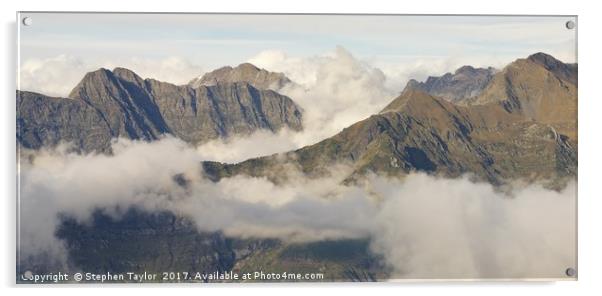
(523, 125)
(466, 82)
(109, 104)
(246, 72)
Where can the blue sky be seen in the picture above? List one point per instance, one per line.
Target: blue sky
(208, 41)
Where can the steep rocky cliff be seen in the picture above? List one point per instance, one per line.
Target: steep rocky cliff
(44, 121)
(109, 104)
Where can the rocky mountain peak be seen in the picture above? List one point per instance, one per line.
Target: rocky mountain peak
(100, 73)
(465, 69)
(246, 72)
(466, 82)
(92, 79)
(539, 88)
(412, 84)
(567, 72)
(248, 67)
(544, 59)
(128, 75)
(408, 98)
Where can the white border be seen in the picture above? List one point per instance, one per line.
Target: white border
(590, 210)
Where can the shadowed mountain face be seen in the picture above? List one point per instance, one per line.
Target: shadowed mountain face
(523, 126)
(109, 104)
(44, 121)
(259, 78)
(466, 82)
(162, 242)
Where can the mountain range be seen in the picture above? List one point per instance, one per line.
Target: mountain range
(109, 104)
(519, 122)
(522, 125)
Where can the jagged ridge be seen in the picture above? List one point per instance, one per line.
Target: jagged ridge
(466, 82)
(519, 135)
(119, 103)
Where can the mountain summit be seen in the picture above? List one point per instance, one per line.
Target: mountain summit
(539, 88)
(246, 72)
(465, 82)
(564, 71)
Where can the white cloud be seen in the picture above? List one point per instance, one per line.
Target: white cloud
(170, 69)
(425, 227)
(53, 76)
(334, 90)
(259, 143)
(300, 70)
(442, 228)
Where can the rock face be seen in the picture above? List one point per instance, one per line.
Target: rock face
(246, 72)
(466, 82)
(523, 126)
(109, 104)
(44, 121)
(223, 110)
(124, 103)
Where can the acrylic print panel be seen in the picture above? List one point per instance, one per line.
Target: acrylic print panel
(199, 148)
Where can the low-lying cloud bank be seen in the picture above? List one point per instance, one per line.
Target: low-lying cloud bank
(425, 227)
(429, 227)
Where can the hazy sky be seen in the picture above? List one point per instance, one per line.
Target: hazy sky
(175, 46)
